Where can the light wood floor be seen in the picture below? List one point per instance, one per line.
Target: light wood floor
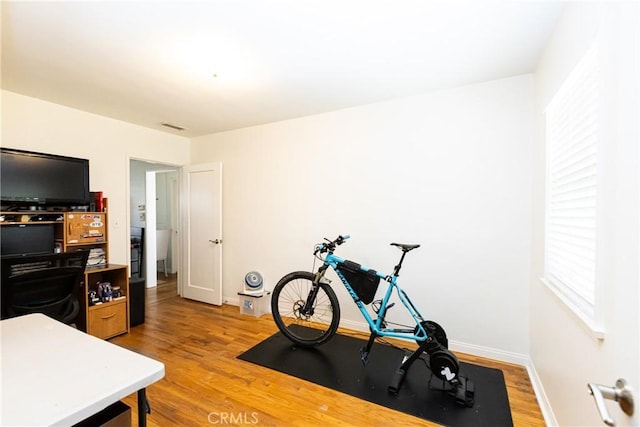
(206, 385)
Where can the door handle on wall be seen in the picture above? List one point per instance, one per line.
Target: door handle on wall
(215, 242)
(621, 393)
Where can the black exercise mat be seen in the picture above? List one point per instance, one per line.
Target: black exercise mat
(337, 365)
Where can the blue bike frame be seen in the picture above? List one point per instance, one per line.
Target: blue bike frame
(376, 326)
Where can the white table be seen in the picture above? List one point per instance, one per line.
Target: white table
(53, 374)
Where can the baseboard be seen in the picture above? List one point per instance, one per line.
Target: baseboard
(489, 353)
(517, 359)
(543, 401)
(472, 349)
(231, 300)
(356, 326)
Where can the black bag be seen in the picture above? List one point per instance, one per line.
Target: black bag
(364, 283)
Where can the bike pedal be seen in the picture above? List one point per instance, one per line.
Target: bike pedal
(364, 356)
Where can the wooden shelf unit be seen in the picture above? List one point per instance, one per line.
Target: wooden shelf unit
(107, 319)
(84, 230)
(72, 230)
(77, 230)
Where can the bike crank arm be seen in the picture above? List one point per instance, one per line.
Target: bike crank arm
(364, 351)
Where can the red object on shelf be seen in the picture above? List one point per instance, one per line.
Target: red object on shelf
(99, 201)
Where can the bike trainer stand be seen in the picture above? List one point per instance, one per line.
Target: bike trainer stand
(463, 390)
(460, 387)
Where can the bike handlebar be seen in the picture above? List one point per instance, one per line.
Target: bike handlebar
(330, 246)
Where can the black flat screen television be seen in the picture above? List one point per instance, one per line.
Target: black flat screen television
(30, 178)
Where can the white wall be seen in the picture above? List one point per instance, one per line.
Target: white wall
(450, 170)
(36, 125)
(565, 355)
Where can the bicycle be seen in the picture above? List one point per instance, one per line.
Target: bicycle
(306, 310)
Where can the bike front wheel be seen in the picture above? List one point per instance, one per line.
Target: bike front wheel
(304, 316)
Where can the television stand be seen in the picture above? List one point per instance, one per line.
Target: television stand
(75, 231)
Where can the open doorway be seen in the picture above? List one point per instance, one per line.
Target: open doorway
(154, 223)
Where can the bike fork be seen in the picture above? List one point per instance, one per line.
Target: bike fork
(307, 309)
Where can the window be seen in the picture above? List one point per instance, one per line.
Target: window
(573, 120)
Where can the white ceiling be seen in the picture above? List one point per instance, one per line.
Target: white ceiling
(151, 62)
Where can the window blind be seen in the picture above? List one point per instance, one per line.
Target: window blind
(573, 118)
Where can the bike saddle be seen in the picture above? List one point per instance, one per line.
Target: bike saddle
(404, 247)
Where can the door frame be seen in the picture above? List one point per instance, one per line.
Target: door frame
(178, 210)
(150, 260)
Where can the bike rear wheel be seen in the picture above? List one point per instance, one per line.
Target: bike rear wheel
(305, 328)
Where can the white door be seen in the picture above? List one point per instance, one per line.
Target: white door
(568, 351)
(203, 230)
(618, 354)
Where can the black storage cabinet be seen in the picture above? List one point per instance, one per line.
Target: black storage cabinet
(137, 300)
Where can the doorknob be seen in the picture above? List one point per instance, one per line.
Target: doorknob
(621, 393)
(215, 242)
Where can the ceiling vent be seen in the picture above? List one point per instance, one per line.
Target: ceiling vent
(172, 126)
